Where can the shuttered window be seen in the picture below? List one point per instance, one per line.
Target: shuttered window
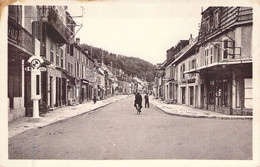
(15, 79)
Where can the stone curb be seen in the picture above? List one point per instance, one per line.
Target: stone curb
(86, 112)
(205, 116)
(66, 118)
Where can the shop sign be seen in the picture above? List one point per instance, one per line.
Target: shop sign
(13, 34)
(86, 82)
(191, 80)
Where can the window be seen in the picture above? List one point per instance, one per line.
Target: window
(211, 55)
(69, 67)
(75, 69)
(216, 19)
(217, 51)
(183, 68)
(206, 56)
(86, 61)
(15, 79)
(15, 12)
(225, 52)
(248, 93)
(61, 57)
(238, 94)
(180, 71)
(225, 92)
(193, 64)
(77, 53)
(183, 92)
(211, 92)
(82, 72)
(207, 25)
(57, 55)
(71, 50)
(51, 52)
(191, 95)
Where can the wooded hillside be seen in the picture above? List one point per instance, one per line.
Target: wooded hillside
(130, 65)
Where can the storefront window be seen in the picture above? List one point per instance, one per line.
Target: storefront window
(191, 95)
(211, 92)
(225, 92)
(183, 94)
(238, 93)
(248, 93)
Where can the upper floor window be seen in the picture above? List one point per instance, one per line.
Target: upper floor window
(193, 64)
(182, 69)
(77, 52)
(57, 55)
(172, 71)
(69, 67)
(206, 54)
(225, 51)
(217, 52)
(61, 57)
(211, 55)
(51, 51)
(207, 25)
(15, 12)
(216, 19)
(71, 50)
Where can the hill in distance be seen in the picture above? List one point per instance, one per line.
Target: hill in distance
(130, 65)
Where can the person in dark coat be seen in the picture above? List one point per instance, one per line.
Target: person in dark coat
(146, 97)
(138, 100)
(95, 99)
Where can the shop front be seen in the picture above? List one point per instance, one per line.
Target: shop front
(229, 89)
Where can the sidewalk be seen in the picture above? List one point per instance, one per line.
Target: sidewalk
(180, 110)
(18, 126)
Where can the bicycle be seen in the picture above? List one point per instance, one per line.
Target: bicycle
(138, 108)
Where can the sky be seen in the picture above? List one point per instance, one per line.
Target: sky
(144, 29)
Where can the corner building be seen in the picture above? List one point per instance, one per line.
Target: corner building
(225, 60)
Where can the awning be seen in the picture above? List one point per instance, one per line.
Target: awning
(222, 64)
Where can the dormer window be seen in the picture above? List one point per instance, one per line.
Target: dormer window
(207, 26)
(216, 19)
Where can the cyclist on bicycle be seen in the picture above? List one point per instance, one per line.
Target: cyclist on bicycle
(138, 100)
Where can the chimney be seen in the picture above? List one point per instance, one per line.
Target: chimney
(78, 41)
(191, 39)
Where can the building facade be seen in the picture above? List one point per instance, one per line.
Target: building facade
(225, 60)
(214, 70)
(21, 46)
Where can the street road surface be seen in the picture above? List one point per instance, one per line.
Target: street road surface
(116, 132)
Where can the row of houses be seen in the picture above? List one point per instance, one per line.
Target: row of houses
(72, 75)
(214, 70)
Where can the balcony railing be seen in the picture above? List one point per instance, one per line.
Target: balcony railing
(56, 26)
(19, 36)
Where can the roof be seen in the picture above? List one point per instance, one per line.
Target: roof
(183, 51)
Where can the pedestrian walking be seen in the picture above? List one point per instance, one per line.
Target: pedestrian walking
(95, 99)
(138, 100)
(146, 97)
